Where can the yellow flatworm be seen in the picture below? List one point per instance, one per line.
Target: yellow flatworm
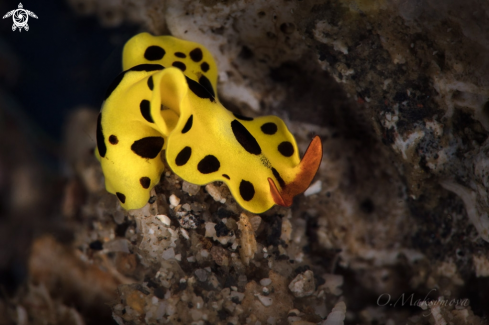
(165, 103)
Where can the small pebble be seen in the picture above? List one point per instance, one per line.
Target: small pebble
(210, 230)
(255, 222)
(201, 274)
(303, 285)
(119, 217)
(294, 319)
(117, 245)
(198, 302)
(186, 207)
(195, 314)
(190, 188)
(164, 219)
(265, 282)
(266, 301)
(215, 192)
(168, 254)
(184, 233)
(174, 200)
(294, 312)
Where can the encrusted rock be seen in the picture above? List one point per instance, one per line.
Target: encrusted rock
(220, 255)
(247, 239)
(215, 192)
(303, 284)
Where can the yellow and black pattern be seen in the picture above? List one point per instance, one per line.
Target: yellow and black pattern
(165, 103)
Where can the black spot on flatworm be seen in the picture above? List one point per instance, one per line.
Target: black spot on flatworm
(207, 85)
(278, 177)
(150, 83)
(145, 182)
(183, 156)
(179, 65)
(286, 148)
(148, 147)
(243, 118)
(146, 110)
(154, 53)
(196, 55)
(102, 149)
(113, 139)
(198, 90)
(188, 125)
(245, 138)
(121, 197)
(205, 66)
(209, 164)
(141, 67)
(269, 128)
(147, 67)
(180, 55)
(226, 176)
(246, 190)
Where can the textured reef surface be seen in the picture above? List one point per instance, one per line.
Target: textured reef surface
(393, 230)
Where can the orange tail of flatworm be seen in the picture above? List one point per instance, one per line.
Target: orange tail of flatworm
(306, 171)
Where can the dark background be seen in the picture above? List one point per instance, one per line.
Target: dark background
(64, 61)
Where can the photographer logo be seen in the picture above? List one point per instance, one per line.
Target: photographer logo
(20, 17)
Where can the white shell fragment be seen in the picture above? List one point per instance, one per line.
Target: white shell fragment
(314, 188)
(337, 315)
(174, 200)
(164, 219)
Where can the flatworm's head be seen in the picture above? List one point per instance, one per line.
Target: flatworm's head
(166, 99)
